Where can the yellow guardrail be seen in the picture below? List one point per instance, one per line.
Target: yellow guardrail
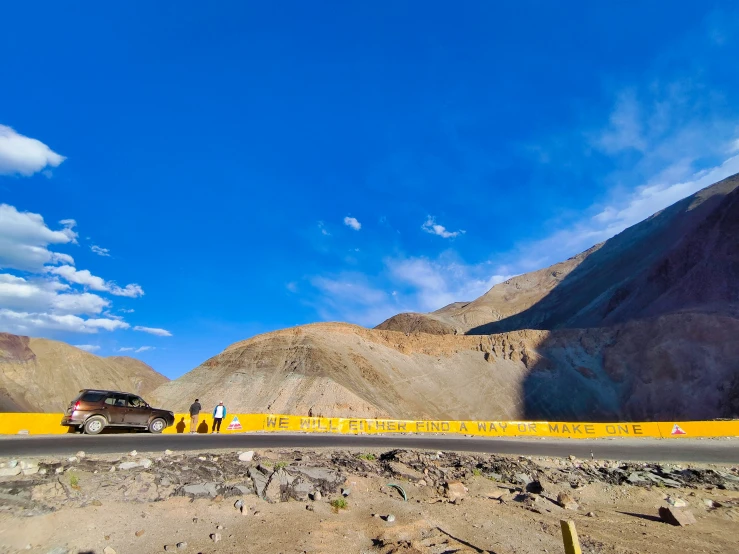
(49, 424)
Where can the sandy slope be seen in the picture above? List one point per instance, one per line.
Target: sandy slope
(44, 375)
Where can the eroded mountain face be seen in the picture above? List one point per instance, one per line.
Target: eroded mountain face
(40, 375)
(640, 327)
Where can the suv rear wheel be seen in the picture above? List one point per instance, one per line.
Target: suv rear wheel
(157, 425)
(94, 425)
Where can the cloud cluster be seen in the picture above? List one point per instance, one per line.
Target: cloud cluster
(21, 155)
(88, 347)
(430, 226)
(135, 349)
(85, 278)
(100, 251)
(353, 223)
(153, 331)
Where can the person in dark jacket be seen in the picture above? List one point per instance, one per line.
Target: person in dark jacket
(218, 414)
(195, 408)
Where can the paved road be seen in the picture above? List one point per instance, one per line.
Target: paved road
(675, 450)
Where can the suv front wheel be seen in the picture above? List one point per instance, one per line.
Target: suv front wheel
(157, 425)
(94, 425)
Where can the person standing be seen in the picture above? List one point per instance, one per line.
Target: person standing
(218, 414)
(195, 408)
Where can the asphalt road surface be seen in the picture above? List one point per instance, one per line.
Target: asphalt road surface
(654, 450)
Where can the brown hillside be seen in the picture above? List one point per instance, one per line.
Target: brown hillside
(684, 257)
(664, 367)
(44, 375)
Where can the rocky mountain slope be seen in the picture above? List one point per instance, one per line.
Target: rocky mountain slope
(684, 258)
(640, 327)
(44, 375)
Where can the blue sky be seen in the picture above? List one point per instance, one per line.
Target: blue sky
(175, 177)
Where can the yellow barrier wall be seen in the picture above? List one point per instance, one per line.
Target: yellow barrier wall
(49, 424)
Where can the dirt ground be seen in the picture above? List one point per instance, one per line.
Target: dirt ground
(493, 516)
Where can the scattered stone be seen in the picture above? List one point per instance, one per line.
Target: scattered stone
(676, 516)
(218, 498)
(422, 483)
(108, 550)
(676, 502)
(215, 537)
(455, 491)
(239, 504)
(566, 501)
(140, 532)
(72, 460)
(535, 487)
(168, 452)
(219, 527)
(523, 479)
(169, 548)
(591, 514)
(145, 463)
(345, 492)
(194, 520)
(201, 489)
(133, 453)
(404, 471)
(10, 471)
(246, 456)
(128, 465)
(112, 469)
(309, 507)
(62, 550)
(316, 496)
(182, 546)
(390, 518)
(81, 454)
(573, 458)
(96, 503)
(58, 470)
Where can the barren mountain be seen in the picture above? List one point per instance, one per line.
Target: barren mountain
(44, 375)
(642, 326)
(684, 258)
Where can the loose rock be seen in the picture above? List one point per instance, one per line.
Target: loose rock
(128, 465)
(81, 454)
(215, 537)
(140, 532)
(390, 518)
(108, 550)
(566, 501)
(181, 546)
(676, 502)
(239, 504)
(133, 453)
(676, 516)
(246, 456)
(455, 491)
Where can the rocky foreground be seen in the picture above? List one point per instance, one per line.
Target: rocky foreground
(380, 501)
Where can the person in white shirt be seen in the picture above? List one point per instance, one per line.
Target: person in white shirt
(218, 414)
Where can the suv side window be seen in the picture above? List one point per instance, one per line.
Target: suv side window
(93, 396)
(116, 400)
(136, 402)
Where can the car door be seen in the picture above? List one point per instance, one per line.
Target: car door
(116, 408)
(138, 411)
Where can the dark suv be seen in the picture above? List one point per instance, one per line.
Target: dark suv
(94, 410)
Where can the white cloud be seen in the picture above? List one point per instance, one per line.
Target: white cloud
(144, 349)
(85, 278)
(153, 331)
(100, 251)
(88, 347)
(21, 155)
(127, 349)
(416, 284)
(126, 310)
(24, 240)
(29, 323)
(353, 223)
(625, 129)
(292, 287)
(430, 226)
(47, 295)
